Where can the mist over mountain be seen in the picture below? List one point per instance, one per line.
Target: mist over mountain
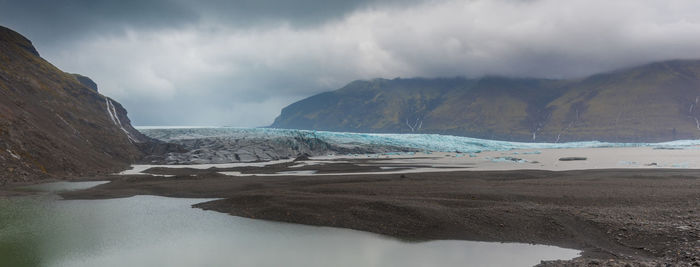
(175, 62)
(650, 103)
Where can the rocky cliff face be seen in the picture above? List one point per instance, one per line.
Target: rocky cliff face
(52, 124)
(650, 103)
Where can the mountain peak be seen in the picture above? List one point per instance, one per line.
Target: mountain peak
(55, 123)
(648, 103)
(84, 80)
(11, 38)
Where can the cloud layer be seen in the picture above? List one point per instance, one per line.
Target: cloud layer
(239, 63)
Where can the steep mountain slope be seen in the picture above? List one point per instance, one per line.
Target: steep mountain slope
(650, 103)
(377, 106)
(487, 107)
(654, 102)
(51, 124)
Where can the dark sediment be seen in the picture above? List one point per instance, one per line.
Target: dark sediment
(572, 158)
(627, 216)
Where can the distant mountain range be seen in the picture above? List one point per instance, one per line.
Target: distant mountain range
(56, 124)
(649, 103)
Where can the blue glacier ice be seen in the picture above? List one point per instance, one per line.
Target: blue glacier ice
(425, 142)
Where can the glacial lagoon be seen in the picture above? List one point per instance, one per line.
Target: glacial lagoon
(44, 230)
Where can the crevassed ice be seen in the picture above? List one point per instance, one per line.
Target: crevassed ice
(428, 142)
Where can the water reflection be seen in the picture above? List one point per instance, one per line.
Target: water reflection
(159, 231)
(63, 186)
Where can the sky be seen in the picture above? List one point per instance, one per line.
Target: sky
(238, 62)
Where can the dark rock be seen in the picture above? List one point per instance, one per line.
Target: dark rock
(668, 148)
(302, 157)
(52, 125)
(572, 158)
(89, 83)
(10, 36)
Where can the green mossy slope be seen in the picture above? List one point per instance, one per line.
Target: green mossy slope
(650, 103)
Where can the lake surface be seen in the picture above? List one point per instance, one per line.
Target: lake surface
(158, 231)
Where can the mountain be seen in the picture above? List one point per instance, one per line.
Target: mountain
(56, 124)
(649, 103)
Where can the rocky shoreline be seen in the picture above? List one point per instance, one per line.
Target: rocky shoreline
(616, 217)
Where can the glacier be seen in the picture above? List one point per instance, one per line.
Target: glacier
(424, 142)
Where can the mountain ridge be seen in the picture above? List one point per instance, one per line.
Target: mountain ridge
(604, 106)
(53, 124)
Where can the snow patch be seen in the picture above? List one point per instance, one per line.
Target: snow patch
(13, 154)
(112, 111)
(308, 172)
(66, 122)
(140, 168)
(404, 171)
(109, 111)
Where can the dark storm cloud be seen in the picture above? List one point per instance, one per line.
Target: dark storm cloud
(55, 21)
(50, 22)
(239, 62)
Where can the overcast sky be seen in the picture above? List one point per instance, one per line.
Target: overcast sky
(237, 63)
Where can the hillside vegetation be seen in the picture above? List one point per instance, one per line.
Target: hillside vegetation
(52, 124)
(650, 103)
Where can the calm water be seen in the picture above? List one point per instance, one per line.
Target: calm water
(159, 231)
